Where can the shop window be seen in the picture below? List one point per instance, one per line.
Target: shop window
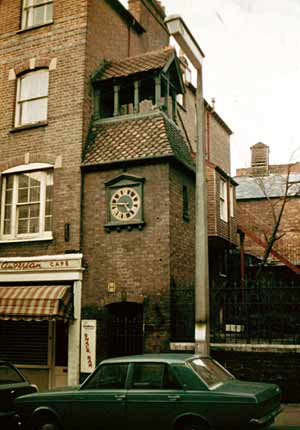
(26, 210)
(36, 13)
(32, 98)
(223, 200)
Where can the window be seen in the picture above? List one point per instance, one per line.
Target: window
(108, 376)
(32, 98)
(27, 205)
(223, 200)
(181, 100)
(153, 376)
(36, 12)
(211, 372)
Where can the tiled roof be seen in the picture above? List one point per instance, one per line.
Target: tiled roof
(272, 185)
(142, 63)
(141, 137)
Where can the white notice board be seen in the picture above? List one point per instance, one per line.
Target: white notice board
(88, 346)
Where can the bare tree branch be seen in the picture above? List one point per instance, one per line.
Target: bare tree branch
(277, 207)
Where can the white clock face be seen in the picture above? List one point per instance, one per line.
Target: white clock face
(125, 203)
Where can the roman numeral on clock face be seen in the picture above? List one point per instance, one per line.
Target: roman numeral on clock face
(125, 204)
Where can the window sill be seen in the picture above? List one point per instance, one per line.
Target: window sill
(23, 30)
(29, 126)
(28, 239)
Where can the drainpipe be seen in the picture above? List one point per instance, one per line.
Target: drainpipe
(178, 29)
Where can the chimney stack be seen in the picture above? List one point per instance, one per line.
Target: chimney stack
(137, 8)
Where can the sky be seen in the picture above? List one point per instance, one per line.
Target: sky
(251, 69)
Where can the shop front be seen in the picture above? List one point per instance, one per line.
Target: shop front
(40, 308)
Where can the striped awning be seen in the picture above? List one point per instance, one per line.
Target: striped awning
(38, 303)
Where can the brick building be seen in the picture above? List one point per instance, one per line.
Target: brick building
(259, 337)
(97, 179)
(260, 195)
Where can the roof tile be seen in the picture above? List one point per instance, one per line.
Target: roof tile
(142, 63)
(140, 137)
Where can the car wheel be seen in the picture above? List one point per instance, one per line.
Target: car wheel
(46, 424)
(194, 425)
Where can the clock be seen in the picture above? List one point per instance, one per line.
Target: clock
(124, 204)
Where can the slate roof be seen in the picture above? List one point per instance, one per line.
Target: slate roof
(274, 186)
(142, 63)
(147, 136)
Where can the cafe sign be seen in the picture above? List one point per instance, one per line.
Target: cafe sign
(7, 265)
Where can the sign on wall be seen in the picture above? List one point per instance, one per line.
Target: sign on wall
(33, 265)
(88, 346)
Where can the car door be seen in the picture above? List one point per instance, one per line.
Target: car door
(152, 396)
(12, 385)
(100, 402)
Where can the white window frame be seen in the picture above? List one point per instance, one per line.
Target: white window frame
(13, 235)
(223, 200)
(231, 196)
(19, 121)
(29, 7)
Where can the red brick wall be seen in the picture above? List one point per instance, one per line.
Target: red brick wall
(217, 142)
(63, 42)
(182, 255)
(280, 169)
(151, 16)
(77, 48)
(136, 261)
(257, 216)
(216, 136)
(156, 264)
(108, 37)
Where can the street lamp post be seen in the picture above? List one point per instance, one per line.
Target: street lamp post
(178, 29)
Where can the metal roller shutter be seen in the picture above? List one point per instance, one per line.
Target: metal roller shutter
(24, 342)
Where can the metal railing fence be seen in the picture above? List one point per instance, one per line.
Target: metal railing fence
(264, 313)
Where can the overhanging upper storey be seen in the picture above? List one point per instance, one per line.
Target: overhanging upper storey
(138, 84)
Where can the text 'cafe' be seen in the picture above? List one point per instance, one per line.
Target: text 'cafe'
(40, 300)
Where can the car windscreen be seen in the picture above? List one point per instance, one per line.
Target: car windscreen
(8, 375)
(210, 371)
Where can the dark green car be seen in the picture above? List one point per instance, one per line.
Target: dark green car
(154, 392)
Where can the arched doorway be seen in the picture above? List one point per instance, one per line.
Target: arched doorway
(125, 328)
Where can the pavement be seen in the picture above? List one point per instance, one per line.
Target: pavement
(288, 419)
